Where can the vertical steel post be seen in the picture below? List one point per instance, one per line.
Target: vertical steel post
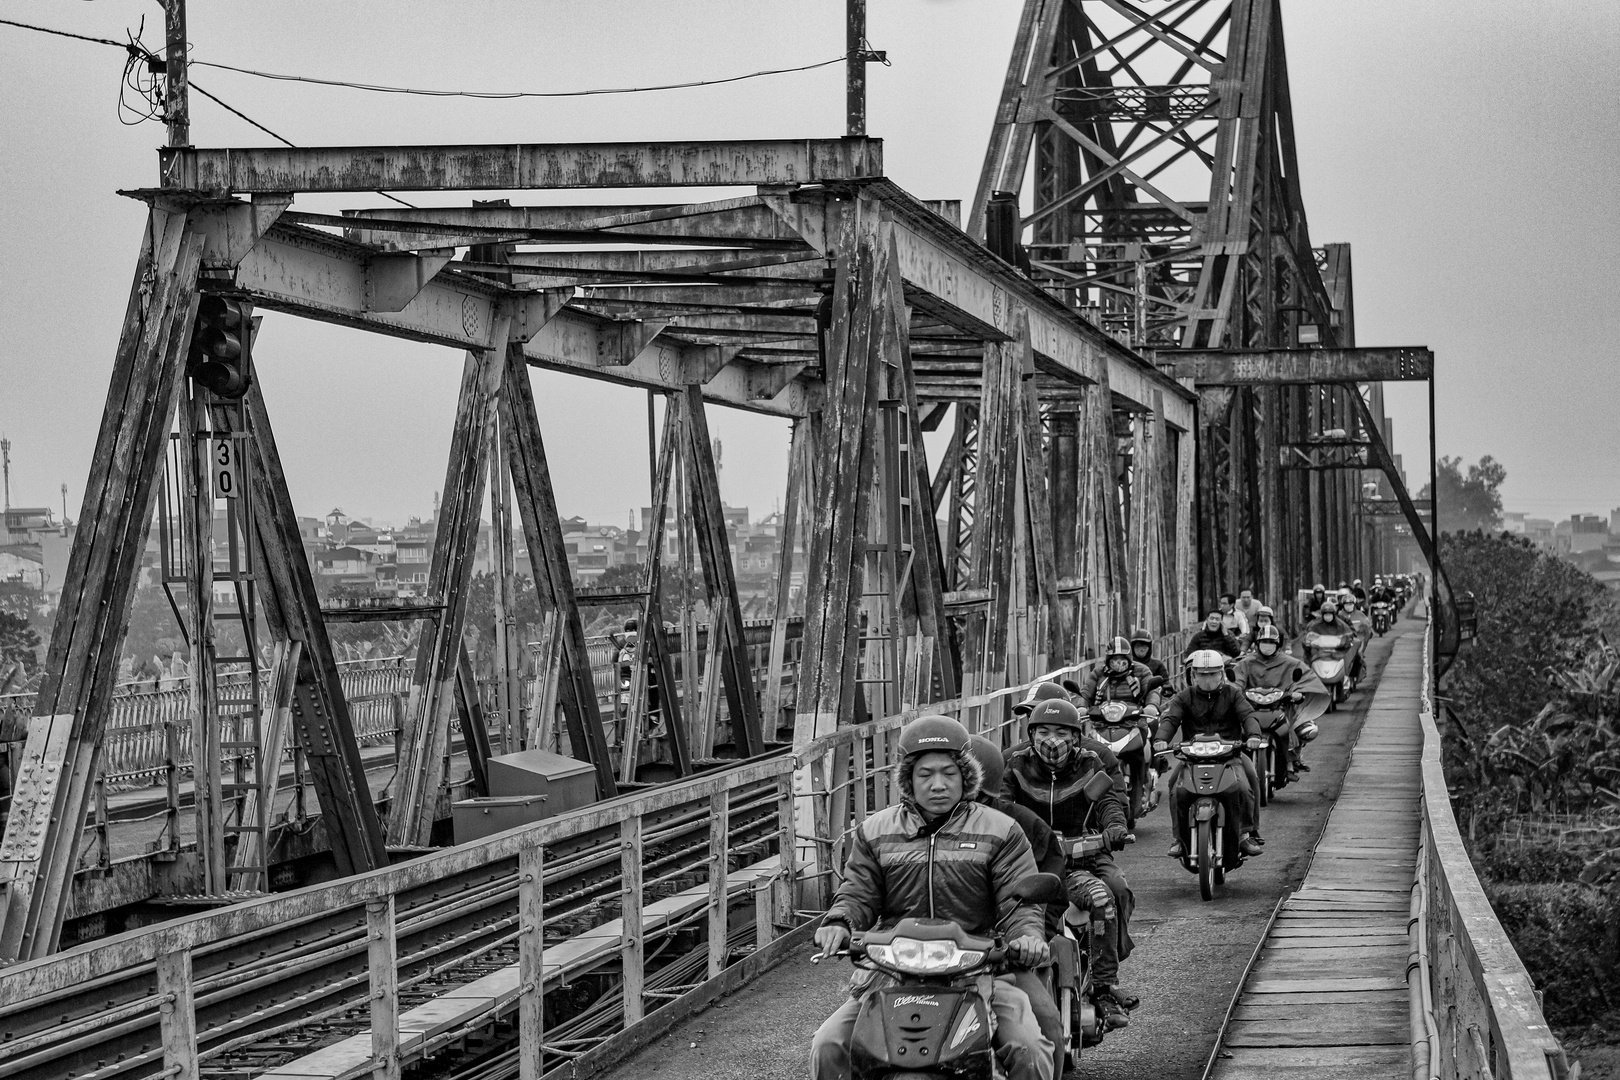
(176, 95)
(855, 66)
(531, 962)
(382, 964)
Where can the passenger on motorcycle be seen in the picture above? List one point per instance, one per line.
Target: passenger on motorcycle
(1214, 706)
(1120, 678)
(1049, 859)
(1318, 598)
(1142, 653)
(1233, 621)
(1358, 592)
(1049, 777)
(939, 854)
(1269, 668)
(1263, 618)
(1213, 635)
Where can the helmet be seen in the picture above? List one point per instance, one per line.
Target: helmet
(929, 733)
(1356, 583)
(1307, 730)
(1267, 612)
(1268, 633)
(1055, 712)
(991, 763)
(1118, 647)
(1140, 636)
(1318, 587)
(1206, 660)
(1329, 607)
(1046, 691)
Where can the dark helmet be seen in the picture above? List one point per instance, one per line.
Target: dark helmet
(992, 765)
(1046, 691)
(630, 625)
(1118, 647)
(930, 733)
(1318, 588)
(1140, 636)
(1329, 607)
(1057, 713)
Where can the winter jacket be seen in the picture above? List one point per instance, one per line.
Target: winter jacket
(1225, 712)
(1339, 627)
(1156, 667)
(1058, 797)
(962, 867)
(1099, 685)
(1219, 640)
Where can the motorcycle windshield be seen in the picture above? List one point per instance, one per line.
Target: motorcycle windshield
(1317, 698)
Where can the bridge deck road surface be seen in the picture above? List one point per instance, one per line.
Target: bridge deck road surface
(1189, 955)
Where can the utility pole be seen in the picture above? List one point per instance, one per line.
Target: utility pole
(176, 99)
(857, 55)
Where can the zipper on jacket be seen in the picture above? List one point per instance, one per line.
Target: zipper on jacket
(931, 837)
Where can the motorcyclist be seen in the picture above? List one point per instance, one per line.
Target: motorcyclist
(1211, 705)
(1262, 618)
(1232, 620)
(1051, 691)
(1317, 599)
(943, 855)
(1328, 622)
(1358, 592)
(1049, 777)
(1120, 678)
(1142, 653)
(1049, 859)
(1361, 625)
(1213, 635)
(1269, 668)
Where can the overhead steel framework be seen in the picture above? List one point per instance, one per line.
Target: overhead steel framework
(1107, 460)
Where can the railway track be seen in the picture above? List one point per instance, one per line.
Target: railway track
(278, 993)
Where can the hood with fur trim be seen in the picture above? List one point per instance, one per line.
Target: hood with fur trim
(972, 774)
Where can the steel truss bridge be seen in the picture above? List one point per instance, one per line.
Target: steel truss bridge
(1152, 392)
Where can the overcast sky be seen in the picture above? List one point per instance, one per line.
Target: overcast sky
(1466, 149)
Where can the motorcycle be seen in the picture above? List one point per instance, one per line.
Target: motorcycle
(1068, 979)
(1119, 724)
(933, 1021)
(1330, 657)
(1272, 760)
(1380, 617)
(1212, 771)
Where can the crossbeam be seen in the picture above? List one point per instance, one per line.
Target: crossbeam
(520, 166)
(1303, 367)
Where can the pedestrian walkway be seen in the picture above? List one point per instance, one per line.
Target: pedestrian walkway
(1328, 994)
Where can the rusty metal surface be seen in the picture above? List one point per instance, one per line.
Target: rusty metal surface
(1302, 367)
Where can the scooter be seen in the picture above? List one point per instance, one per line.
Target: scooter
(1212, 771)
(1330, 656)
(1119, 724)
(1380, 617)
(1272, 761)
(1068, 979)
(933, 1022)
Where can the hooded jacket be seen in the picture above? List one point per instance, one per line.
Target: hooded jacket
(1225, 712)
(1058, 796)
(960, 867)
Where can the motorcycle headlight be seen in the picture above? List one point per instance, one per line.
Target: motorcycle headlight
(924, 957)
(1205, 749)
(1113, 711)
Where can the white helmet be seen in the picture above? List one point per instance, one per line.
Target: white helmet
(1206, 660)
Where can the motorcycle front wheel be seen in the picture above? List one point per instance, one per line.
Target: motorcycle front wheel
(1262, 769)
(1205, 839)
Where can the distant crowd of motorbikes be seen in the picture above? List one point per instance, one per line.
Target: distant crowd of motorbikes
(985, 915)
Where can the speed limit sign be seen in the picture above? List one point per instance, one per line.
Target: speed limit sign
(227, 468)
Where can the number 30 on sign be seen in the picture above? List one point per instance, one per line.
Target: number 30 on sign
(227, 468)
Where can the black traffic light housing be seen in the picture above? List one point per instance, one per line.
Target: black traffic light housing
(220, 340)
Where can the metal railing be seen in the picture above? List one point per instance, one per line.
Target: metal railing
(1476, 1012)
(776, 829)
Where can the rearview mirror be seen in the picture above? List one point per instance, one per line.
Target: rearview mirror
(1039, 889)
(1098, 785)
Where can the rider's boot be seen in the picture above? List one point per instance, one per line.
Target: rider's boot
(1109, 1009)
(1250, 846)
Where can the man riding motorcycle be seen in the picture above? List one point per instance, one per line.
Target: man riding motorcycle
(1049, 859)
(940, 854)
(1269, 668)
(1358, 592)
(1332, 623)
(1120, 678)
(1317, 599)
(1213, 635)
(1214, 706)
(1049, 777)
(1142, 653)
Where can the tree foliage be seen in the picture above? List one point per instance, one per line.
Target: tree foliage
(1468, 501)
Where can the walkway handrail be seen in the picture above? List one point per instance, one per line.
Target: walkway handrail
(1488, 1013)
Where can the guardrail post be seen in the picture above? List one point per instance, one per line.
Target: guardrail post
(382, 962)
(177, 1013)
(171, 781)
(764, 912)
(633, 949)
(531, 963)
(786, 891)
(719, 858)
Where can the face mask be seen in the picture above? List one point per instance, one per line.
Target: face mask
(1268, 649)
(1054, 750)
(1119, 665)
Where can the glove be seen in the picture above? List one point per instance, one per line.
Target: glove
(832, 937)
(1150, 712)
(1028, 951)
(1115, 835)
(1160, 746)
(1296, 696)
(1088, 891)
(1254, 743)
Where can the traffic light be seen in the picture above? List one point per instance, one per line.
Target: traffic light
(219, 345)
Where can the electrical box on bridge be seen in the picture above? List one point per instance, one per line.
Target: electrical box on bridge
(523, 788)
